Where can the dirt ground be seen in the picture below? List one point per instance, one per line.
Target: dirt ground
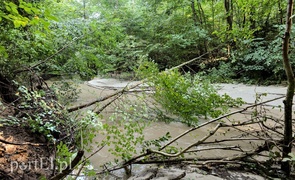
(23, 155)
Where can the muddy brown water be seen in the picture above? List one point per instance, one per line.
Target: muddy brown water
(159, 129)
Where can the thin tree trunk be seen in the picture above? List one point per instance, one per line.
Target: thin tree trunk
(204, 23)
(199, 19)
(195, 16)
(280, 12)
(251, 18)
(287, 146)
(213, 16)
(229, 18)
(244, 21)
(201, 13)
(84, 9)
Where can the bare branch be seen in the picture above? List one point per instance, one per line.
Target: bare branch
(190, 146)
(219, 118)
(232, 148)
(126, 89)
(21, 144)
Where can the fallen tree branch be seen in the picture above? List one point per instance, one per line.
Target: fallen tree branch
(240, 159)
(219, 118)
(106, 105)
(188, 147)
(70, 167)
(248, 155)
(92, 154)
(128, 88)
(149, 152)
(236, 139)
(265, 147)
(176, 161)
(22, 144)
(233, 148)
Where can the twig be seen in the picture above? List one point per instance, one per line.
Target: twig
(273, 129)
(222, 162)
(266, 146)
(237, 139)
(93, 153)
(233, 148)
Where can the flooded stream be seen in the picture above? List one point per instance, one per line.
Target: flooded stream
(102, 87)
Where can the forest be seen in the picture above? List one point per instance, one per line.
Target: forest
(178, 48)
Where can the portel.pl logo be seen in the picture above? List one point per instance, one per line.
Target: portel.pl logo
(42, 163)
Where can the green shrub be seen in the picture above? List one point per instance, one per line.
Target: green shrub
(190, 97)
(186, 96)
(221, 74)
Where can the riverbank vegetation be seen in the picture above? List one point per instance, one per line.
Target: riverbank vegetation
(179, 48)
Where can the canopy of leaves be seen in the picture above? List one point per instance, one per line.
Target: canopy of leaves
(87, 37)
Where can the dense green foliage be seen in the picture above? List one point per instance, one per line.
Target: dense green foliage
(186, 96)
(191, 97)
(88, 37)
(51, 35)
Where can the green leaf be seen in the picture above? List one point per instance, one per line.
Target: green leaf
(8, 8)
(3, 52)
(13, 8)
(49, 16)
(28, 10)
(17, 23)
(20, 22)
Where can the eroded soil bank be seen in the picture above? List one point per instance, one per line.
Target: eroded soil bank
(23, 155)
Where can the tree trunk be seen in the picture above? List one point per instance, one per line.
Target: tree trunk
(84, 9)
(195, 16)
(204, 23)
(7, 90)
(287, 146)
(280, 12)
(251, 18)
(201, 14)
(229, 16)
(229, 19)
